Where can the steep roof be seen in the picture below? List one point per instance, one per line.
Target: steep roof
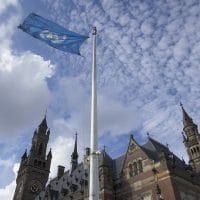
(153, 148)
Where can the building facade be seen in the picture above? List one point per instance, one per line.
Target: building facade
(145, 172)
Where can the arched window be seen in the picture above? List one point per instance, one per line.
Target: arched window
(35, 162)
(192, 151)
(140, 166)
(40, 149)
(198, 149)
(135, 168)
(130, 168)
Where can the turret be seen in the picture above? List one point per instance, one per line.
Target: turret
(35, 166)
(191, 139)
(74, 156)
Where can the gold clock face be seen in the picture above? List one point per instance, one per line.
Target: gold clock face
(35, 186)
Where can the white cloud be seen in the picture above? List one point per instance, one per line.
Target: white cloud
(8, 191)
(148, 56)
(62, 148)
(5, 4)
(23, 83)
(22, 86)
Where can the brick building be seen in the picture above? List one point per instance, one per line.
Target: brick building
(145, 172)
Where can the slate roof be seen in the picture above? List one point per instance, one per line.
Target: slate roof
(68, 184)
(153, 148)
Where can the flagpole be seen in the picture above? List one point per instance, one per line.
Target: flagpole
(94, 169)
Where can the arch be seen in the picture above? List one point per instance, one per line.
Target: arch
(35, 162)
(40, 149)
(130, 168)
(140, 167)
(197, 148)
(135, 168)
(191, 151)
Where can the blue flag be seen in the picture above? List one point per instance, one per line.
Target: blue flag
(52, 34)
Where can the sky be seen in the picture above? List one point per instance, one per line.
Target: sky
(148, 55)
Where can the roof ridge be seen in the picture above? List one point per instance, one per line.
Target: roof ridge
(150, 138)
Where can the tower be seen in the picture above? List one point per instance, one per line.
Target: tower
(34, 168)
(191, 139)
(74, 156)
(105, 177)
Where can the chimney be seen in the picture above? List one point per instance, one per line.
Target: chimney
(60, 172)
(87, 151)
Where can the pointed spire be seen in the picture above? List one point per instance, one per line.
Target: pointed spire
(74, 156)
(75, 153)
(42, 128)
(49, 156)
(24, 155)
(184, 138)
(183, 160)
(103, 162)
(187, 120)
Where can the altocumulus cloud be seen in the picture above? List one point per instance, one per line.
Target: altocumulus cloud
(23, 83)
(149, 51)
(148, 56)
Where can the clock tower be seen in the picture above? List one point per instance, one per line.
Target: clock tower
(34, 168)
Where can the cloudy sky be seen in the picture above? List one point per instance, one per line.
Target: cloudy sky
(148, 55)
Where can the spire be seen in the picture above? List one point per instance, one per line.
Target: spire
(49, 154)
(24, 155)
(184, 138)
(74, 156)
(75, 153)
(187, 120)
(42, 128)
(103, 162)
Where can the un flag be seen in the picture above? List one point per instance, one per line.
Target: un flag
(52, 34)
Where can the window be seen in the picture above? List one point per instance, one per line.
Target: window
(130, 170)
(135, 168)
(140, 166)
(40, 150)
(35, 162)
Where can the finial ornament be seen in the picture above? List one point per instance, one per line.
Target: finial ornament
(94, 30)
(148, 135)
(104, 148)
(45, 114)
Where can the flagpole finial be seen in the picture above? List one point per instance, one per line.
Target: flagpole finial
(94, 30)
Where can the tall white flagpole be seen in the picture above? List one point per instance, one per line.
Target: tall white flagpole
(94, 169)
